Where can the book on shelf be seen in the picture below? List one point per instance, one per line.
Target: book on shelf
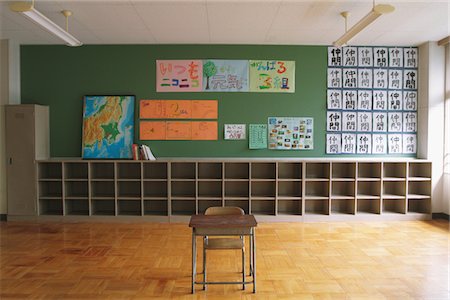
(143, 152)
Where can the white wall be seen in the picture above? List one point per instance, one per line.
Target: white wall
(446, 196)
(431, 116)
(9, 94)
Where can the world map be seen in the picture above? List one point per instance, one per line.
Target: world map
(108, 126)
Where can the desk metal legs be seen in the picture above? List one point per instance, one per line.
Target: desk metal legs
(253, 254)
(194, 259)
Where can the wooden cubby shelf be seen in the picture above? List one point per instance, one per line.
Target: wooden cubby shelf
(271, 189)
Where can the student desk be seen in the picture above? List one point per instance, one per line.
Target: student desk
(230, 225)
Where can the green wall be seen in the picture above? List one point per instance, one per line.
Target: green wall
(60, 76)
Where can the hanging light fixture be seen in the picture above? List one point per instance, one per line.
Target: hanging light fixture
(377, 10)
(28, 10)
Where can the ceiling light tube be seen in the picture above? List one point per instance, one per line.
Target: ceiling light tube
(30, 12)
(376, 11)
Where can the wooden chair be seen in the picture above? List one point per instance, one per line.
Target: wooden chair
(224, 243)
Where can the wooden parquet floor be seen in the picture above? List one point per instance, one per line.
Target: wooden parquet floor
(376, 260)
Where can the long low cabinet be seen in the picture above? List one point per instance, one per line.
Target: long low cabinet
(271, 189)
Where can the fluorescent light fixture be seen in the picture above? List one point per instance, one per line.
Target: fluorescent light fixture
(27, 9)
(376, 11)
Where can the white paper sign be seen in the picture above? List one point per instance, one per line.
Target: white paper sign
(349, 78)
(365, 78)
(364, 121)
(348, 143)
(364, 100)
(409, 143)
(410, 79)
(379, 100)
(395, 100)
(395, 58)
(410, 100)
(349, 121)
(334, 78)
(365, 57)
(234, 132)
(364, 144)
(350, 56)
(349, 99)
(333, 143)
(379, 122)
(334, 56)
(334, 99)
(410, 57)
(380, 78)
(395, 143)
(379, 143)
(334, 120)
(395, 79)
(380, 57)
(409, 122)
(395, 122)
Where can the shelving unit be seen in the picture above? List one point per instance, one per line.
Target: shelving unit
(282, 189)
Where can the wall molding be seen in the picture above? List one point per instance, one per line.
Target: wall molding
(440, 216)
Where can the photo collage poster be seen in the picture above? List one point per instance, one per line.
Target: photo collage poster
(291, 133)
(372, 100)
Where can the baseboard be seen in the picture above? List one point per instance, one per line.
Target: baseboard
(3, 217)
(443, 216)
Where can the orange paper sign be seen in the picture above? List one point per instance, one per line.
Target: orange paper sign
(152, 109)
(152, 130)
(178, 109)
(178, 130)
(204, 109)
(204, 131)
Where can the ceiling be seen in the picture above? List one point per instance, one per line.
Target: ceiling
(293, 22)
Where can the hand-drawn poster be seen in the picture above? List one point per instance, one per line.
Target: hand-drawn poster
(257, 136)
(334, 121)
(152, 130)
(333, 143)
(395, 57)
(410, 79)
(364, 144)
(221, 75)
(234, 132)
(395, 121)
(365, 78)
(350, 78)
(350, 56)
(410, 100)
(395, 100)
(364, 121)
(291, 133)
(365, 57)
(379, 122)
(395, 79)
(364, 100)
(349, 99)
(349, 121)
(348, 143)
(380, 57)
(409, 143)
(395, 143)
(273, 76)
(380, 78)
(379, 100)
(204, 109)
(334, 78)
(379, 143)
(334, 56)
(409, 122)
(178, 130)
(334, 99)
(178, 109)
(410, 57)
(179, 75)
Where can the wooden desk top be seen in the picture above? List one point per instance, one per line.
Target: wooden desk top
(231, 221)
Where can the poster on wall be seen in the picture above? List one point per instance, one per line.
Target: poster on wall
(257, 136)
(234, 132)
(108, 126)
(291, 133)
(179, 75)
(272, 76)
(221, 75)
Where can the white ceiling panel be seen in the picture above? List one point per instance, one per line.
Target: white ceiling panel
(293, 22)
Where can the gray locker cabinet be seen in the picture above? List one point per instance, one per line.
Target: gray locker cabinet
(27, 139)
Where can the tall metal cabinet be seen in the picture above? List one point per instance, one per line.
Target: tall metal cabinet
(27, 139)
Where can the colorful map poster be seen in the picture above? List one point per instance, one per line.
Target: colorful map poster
(257, 136)
(179, 75)
(108, 126)
(272, 76)
(291, 133)
(225, 75)
(178, 109)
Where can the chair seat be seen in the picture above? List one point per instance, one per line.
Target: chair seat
(224, 243)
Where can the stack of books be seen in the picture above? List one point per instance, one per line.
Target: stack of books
(142, 152)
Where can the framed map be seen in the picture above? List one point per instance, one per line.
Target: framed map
(108, 126)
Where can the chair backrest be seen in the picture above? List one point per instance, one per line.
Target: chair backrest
(221, 211)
